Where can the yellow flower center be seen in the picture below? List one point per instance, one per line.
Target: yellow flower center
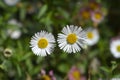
(42, 43)
(76, 75)
(118, 48)
(85, 14)
(45, 77)
(98, 16)
(90, 35)
(71, 38)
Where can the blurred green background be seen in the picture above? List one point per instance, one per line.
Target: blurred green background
(26, 17)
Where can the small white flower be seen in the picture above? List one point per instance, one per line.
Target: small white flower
(97, 16)
(71, 39)
(42, 43)
(92, 36)
(115, 48)
(14, 34)
(11, 2)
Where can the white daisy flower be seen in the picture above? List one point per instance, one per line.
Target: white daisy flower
(92, 36)
(14, 34)
(11, 2)
(115, 48)
(71, 39)
(42, 43)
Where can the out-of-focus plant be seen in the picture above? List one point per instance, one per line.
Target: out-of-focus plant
(21, 19)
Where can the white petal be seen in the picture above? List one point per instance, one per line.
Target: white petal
(34, 40)
(71, 47)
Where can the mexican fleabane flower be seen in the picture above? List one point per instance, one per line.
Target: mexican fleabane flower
(97, 16)
(85, 13)
(14, 31)
(49, 76)
(71, 39)
(14, 34)
(92, 36)
(74, 74)
(115, 47)
(42, 43)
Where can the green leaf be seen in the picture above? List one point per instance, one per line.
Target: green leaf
(3, 67)
(25, 57)
(114, 65)
(22, 13)
(105, 69)
(29, 65)
(42, 11)
(47, 21)
(35, 70)
(64, 13)
(19, 70)
(117, 76)
(6, 65)
(3, 34)
(63, 68)
(2, 4)
(19, 46)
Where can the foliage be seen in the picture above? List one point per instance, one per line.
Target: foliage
(52, 15)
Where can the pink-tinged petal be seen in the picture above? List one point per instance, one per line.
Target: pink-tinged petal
(43, 72)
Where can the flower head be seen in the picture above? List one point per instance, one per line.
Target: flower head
(15, 34)
(92, 36)
(49, 76)
(74, 74)
(14, 31)
(85, 13)
(71, 38)
(11, 2)
(7, 52)
(42, 43)
(115, 47)
(97, 16)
